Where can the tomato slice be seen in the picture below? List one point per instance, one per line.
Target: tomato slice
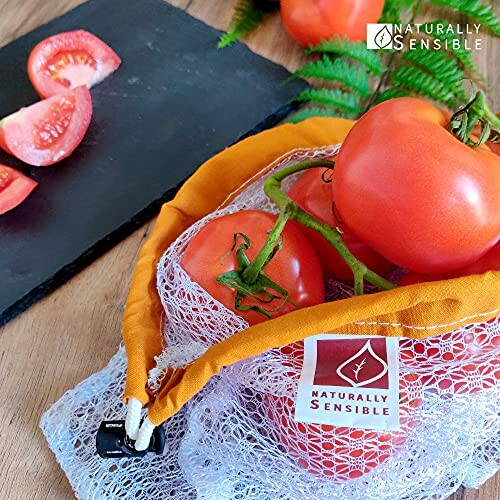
(68, 60)
(48, 131)
(14, 188)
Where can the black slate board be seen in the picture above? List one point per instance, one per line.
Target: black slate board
(175, 101)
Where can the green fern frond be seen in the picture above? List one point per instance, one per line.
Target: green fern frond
(391, 93)
(418, 81)
(474, 10)
(339, 70)
(439, 65)
(393, 10)
(336, 98)
(246, 17)
(464, 56)
(356, 51)
(306, 113)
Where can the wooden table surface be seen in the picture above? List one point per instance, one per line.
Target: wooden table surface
(73, 333)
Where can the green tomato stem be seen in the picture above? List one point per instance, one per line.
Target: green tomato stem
(475, 112)
(251, 273)
(272, 188)
(492, 118)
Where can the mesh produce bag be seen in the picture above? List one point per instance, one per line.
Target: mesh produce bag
(227, 392)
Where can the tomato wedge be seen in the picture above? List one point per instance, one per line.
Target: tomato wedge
(14, 188)
(68, 60)
(48, 131)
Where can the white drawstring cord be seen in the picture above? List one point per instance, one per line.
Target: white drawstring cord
(141, 434)
(144, 436)
(133, 419)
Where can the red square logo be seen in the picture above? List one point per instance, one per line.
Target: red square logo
(352, 363)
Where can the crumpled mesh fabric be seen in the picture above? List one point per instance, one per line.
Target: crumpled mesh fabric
(70, 427)
(237, 438)
(231, 450)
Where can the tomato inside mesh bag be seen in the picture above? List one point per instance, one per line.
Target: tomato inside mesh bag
(448, 391)
(231, 432)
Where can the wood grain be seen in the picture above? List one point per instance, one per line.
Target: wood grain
(73, 332)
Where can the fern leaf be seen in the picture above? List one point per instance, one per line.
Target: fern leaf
(474, 10)
(418, 81)
(356, 51)
(339, 70)
(246, 17)
(393, 10)
(391, 93)
(336, 98)
(439, 65)
(446, 39)
(306, 113)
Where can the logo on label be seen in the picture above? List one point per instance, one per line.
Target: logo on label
(349, 380)
(352, 363)
(379, 36)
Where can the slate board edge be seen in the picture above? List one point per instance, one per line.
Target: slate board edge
(122, 232)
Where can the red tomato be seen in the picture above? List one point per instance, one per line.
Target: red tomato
(340, 453)
(48, 131)
(14, 188)
(295, 267)
(311, 21)
(494, 147)
(488, 262)
(412, 278)
(314, 195)
(69, 60)
(415, 193)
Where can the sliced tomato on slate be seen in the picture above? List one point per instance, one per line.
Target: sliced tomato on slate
(48, 131)
(68, 60)
(14, 188)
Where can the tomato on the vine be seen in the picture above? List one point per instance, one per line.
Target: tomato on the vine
(295, 267)
(48, 131)
(311, 21)
(314, 195)
(414, 192)
(14, 188)
(340, 453)
(68, 60)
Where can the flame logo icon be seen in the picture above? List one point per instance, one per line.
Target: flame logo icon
(383, 38)
(355, 365)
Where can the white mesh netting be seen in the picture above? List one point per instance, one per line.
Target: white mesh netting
(237, 439)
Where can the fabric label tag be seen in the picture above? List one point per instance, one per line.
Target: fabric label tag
(351, 381)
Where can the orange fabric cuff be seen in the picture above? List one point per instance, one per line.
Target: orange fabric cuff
(416, 311)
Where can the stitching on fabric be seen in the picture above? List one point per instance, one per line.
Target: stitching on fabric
(433, 327)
